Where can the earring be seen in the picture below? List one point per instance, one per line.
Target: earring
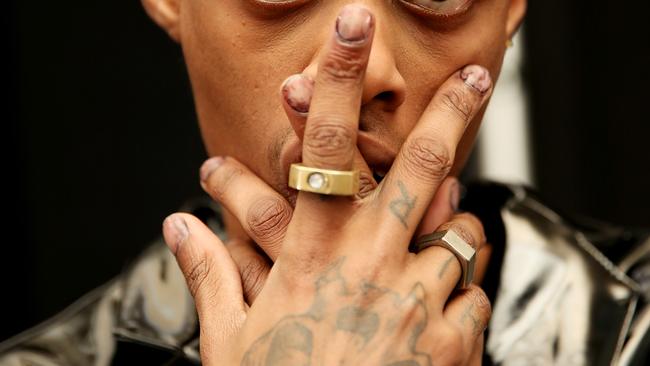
(509, 43)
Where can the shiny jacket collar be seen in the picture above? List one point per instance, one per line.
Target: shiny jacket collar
(558, 299)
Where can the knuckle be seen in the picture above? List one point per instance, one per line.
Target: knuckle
(268, 219)
(198, 272)
(427, 158)
(222, 179)
(367, 184)
(343, 64)
(329, 141)
(477, 226)
(479, 298)
(459, 103)
(253, 273)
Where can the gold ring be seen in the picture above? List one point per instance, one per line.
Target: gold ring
(324, 181)
(451, 241)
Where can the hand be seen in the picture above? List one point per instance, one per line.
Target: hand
(344, 288)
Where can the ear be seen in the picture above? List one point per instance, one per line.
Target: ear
(166, 14)
(516, 13)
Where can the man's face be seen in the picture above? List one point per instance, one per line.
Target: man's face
(238, 53)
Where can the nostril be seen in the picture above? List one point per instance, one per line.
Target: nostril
(378, 177)
(386, 96)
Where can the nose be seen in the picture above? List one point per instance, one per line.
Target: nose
(383, 83)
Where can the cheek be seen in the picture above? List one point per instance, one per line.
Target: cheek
(484, 44)
(236, 78)
(481, 41)
(484, 40)
(236, 66)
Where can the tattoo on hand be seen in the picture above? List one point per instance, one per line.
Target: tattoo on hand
(369, 323)
(445, 265)
(403, 206)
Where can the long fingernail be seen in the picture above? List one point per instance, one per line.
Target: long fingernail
(297, 90)
(477, 77)
(209, 166)
(353, 24)
(454, 197)
(175, 231)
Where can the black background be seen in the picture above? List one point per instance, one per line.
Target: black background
(100, 140)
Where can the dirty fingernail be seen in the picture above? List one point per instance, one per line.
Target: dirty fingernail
(297, 90)
(353, 24)
(209, 166)
(477, 77)
(175, 231)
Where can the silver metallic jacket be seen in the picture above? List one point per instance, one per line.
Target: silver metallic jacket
(564, 293)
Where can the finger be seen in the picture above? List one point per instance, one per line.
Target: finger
(212, 278)
(331, 131)
(253, 268)
(442, 208)
(438, 268)
(470, 311)
(428, 154)
(262, 212)
(476, 358)
(297, 92)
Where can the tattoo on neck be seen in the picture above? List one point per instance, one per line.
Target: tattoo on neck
(403, 206)
(360, 320)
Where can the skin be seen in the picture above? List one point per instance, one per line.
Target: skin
(344, 288)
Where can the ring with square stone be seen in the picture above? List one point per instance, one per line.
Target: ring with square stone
(451, 241)
(324, 181)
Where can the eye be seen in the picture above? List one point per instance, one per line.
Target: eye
(278, 4)
(444, 8)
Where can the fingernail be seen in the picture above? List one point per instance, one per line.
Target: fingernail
(209, 167)
(477, 77)
(297, 90)
(455, 196)
(175, 231)
(353, 24)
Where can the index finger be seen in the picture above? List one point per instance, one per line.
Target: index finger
(331, 129)
(330, 136)
(428, 154)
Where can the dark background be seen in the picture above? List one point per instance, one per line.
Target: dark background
(101, 143)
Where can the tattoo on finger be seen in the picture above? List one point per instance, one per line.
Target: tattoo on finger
(445, 266)
(402, 206)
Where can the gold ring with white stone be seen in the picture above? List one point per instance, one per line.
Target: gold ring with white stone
(324, 181)
(451, 241)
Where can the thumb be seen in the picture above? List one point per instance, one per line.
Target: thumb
(442, 207)
(212, 278)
